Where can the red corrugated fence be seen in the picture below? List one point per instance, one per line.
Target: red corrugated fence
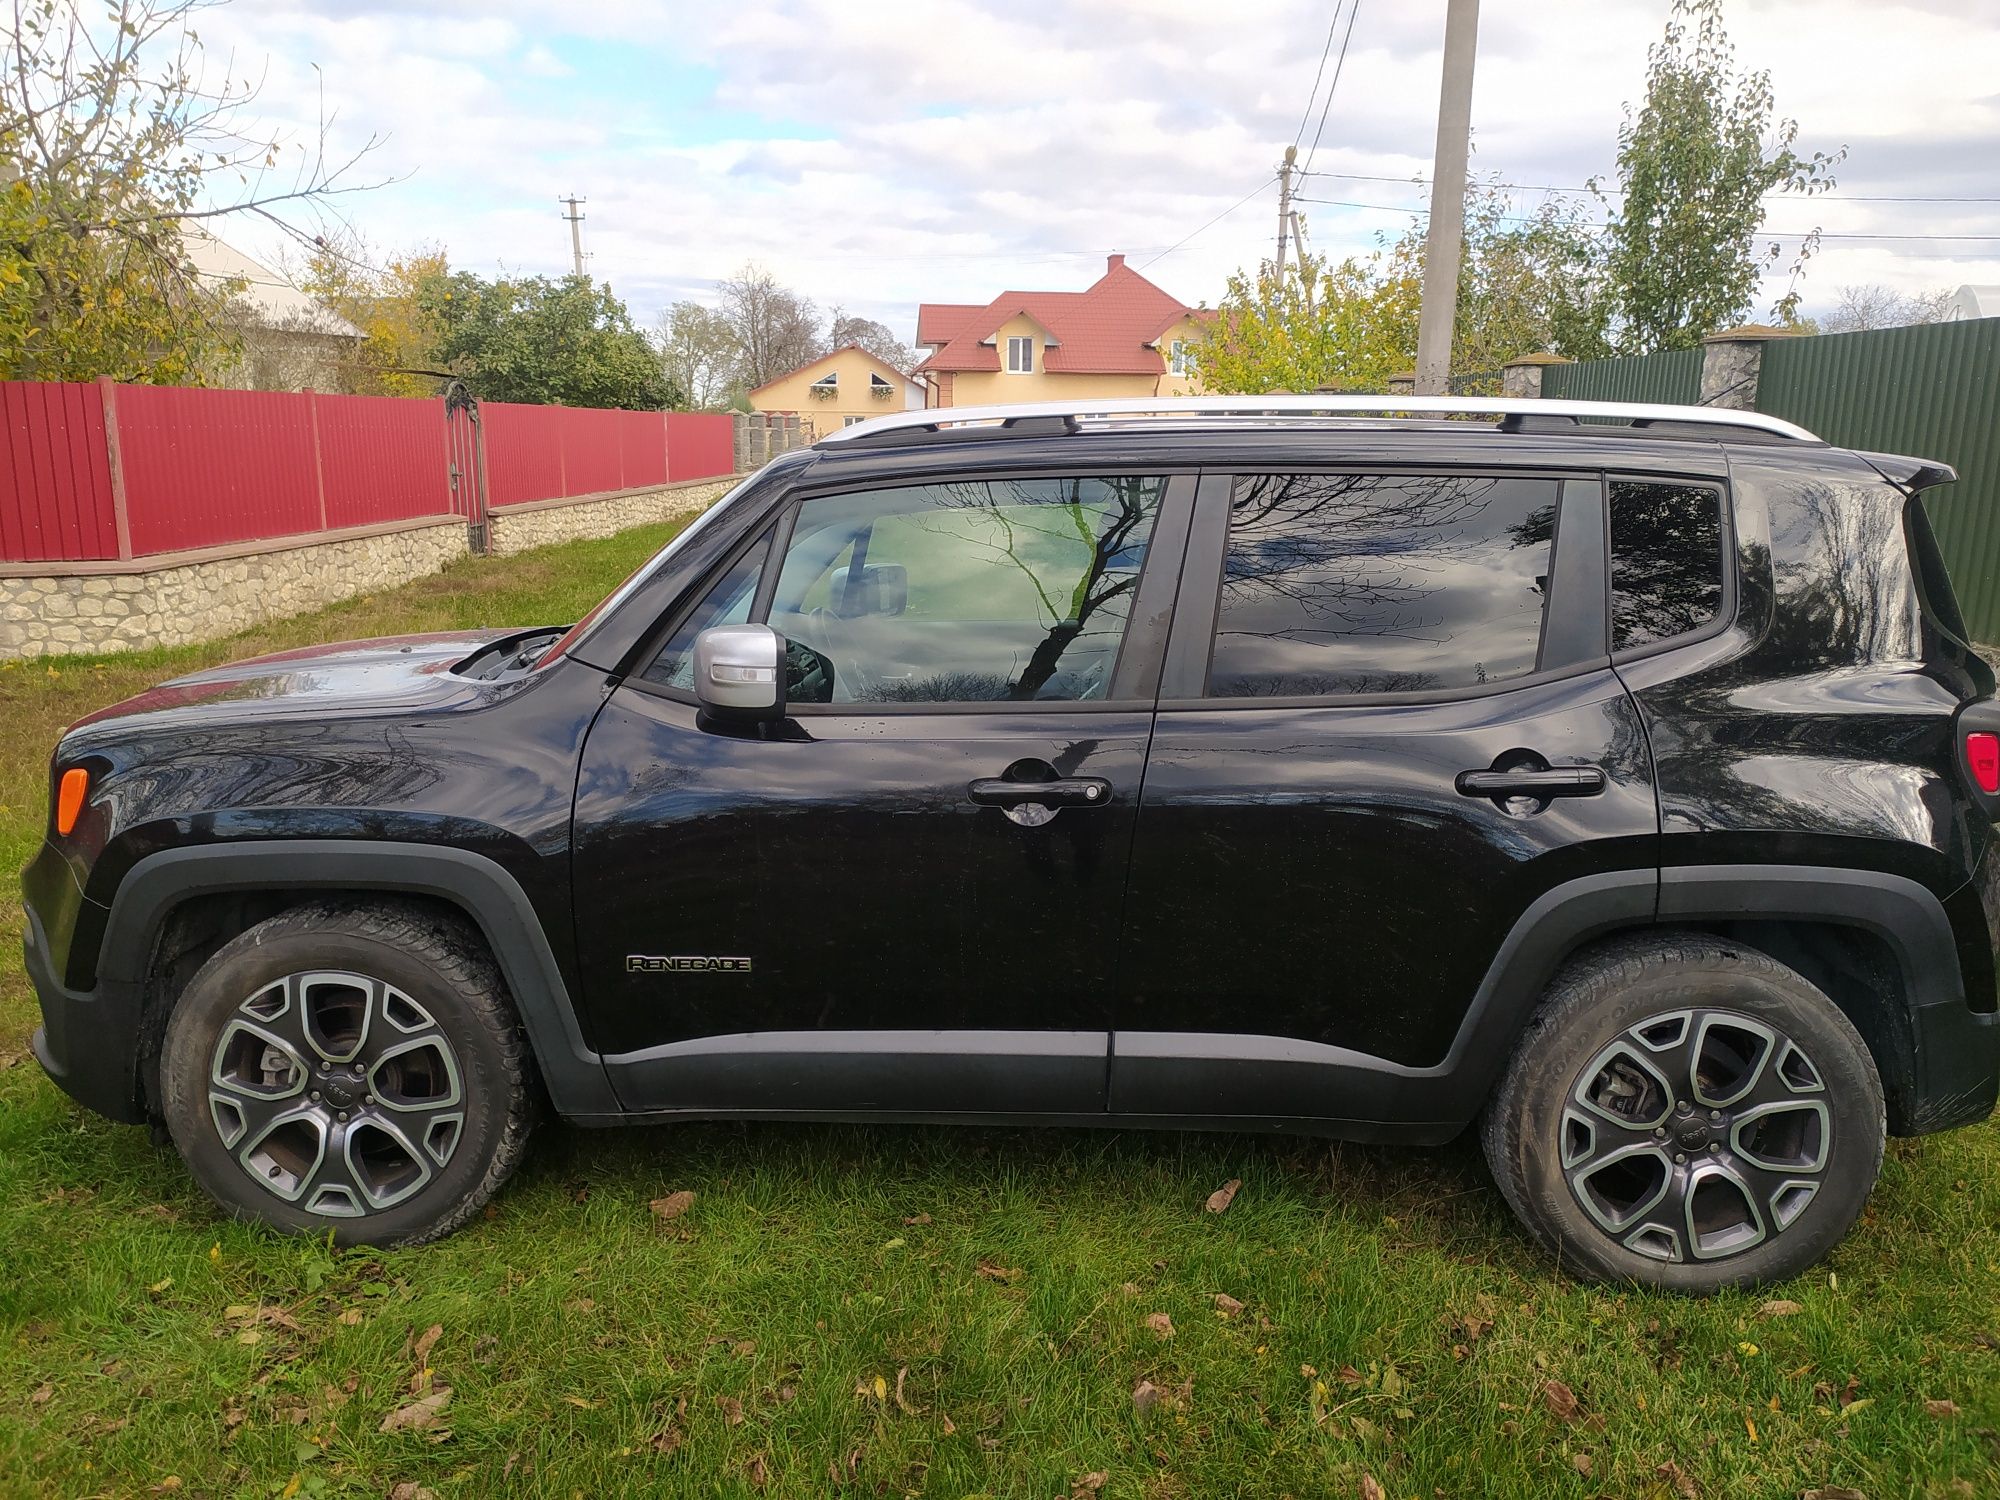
(176, 468)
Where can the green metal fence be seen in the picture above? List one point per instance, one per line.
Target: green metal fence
(1673, 377)
(1932, 391)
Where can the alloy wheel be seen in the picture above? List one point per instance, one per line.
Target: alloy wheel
(1696, 1135)
(336, 1092)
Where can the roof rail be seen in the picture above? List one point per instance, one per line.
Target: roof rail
(1030, 417)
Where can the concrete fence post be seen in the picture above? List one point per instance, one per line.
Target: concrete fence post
(1404, 384)
(1731, 361)
(1521, 379)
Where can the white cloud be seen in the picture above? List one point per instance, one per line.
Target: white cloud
(979, 146)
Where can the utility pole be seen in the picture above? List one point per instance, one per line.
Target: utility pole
(1445, 241)
(1285, 204)
(575, 218)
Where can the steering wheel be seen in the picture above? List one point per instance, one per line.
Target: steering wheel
(833, 637)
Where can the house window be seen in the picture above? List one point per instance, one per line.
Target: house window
(879, 388)
(850, 421)
(1180, 358)
(825, 388)
(1020, 356)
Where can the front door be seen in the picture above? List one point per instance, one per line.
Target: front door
(906, 896)
(1389, 725)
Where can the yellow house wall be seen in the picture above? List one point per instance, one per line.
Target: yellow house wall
(982, 387)
(793, 393)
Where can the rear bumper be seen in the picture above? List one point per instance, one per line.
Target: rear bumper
(88, 1041)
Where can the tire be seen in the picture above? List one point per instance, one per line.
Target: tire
(353, 1067)
(1588, 1122)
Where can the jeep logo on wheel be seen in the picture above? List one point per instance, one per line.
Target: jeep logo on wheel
(698, 963)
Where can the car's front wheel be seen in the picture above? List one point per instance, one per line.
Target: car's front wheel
(1687, 1113)
(349, 1066)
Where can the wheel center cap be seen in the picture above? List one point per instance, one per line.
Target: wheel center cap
(1693, 1136)
(337, 1093)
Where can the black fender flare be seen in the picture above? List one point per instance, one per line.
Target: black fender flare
(474, 884)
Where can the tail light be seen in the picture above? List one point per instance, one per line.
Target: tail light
(1982, 758)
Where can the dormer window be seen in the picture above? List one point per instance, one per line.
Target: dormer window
(879, 388)
(826, 387)
(1180, 357)
(1020, 356)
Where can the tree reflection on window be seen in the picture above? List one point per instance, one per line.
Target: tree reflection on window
(1666, 560)
(1339, 584)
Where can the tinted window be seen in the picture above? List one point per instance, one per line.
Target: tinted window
(981, 591)
(727, 602)
(1346, 583)
(1666, 560)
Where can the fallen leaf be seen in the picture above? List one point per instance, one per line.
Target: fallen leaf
(902, 1405)
(666, 1440)
(1561, 1401)
(1145, 1396)
(1778, 1307)
(583, 1403)
(1223, 1196)
(352, 1317)
(918, 1219)
(1581, 1462)
(409, 1489)
(755, 1470)
(673, 1205)
(997, 1273)
(1089, 1484)
(947, 1424)
(41, 1394)
(420, 1415)
(156, 1288)
(1832, 1492)
(732, 1410)
(1161, 1324)
(1941, 1408)
(168, 1485)
(1371, 1488)
(581, 1305)
(1227, 1305)
(1684, 1486)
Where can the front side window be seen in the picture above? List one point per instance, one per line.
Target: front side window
(1666, 560)
(984, 591)
(1020, 356)
(727, 602)
(1338, 584)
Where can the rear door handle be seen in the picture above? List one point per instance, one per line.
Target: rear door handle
(1556, 781)
(1070, 791)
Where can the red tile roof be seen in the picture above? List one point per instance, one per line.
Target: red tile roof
(1103, 330)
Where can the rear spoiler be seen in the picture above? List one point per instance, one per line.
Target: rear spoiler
(1913, 474)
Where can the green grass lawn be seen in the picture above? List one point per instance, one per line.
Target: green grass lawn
(944, 1312)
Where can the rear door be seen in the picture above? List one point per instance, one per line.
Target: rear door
(1389, 724)
(906, 897)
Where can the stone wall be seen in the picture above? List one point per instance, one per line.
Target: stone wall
(197, 597)
(542, 523)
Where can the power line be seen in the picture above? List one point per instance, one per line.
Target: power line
(1781, 234)
(1333, 24)
(1211, 223)
(1536, 187)
(1353, 10)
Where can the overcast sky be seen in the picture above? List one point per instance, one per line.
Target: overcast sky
(875, 155)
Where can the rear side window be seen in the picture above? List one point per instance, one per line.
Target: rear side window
(1666, 561)
(1338, 584)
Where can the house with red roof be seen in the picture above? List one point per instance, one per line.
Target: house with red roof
(1120, 336)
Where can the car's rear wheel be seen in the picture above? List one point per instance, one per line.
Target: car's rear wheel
(1687, 1113)
(353, 1067)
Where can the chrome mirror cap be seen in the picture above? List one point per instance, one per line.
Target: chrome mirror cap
(739, 671)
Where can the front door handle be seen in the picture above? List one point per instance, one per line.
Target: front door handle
(1529, 781)
(1066, 791)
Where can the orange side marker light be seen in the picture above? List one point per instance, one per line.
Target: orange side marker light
(69, 797)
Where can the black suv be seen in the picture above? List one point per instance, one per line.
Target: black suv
(1627, 788)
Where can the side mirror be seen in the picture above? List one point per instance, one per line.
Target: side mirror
(739, 672)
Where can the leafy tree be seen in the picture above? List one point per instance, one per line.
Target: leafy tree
(110, 142)
(776, 328)
(874, 337)
(699, 350)
(388, 304)
(1694, 164)
(1318, 325)
(564, 342)
(1856, 308)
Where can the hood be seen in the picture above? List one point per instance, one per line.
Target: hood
(393, 674)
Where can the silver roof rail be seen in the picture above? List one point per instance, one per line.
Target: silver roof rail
(1150, 408)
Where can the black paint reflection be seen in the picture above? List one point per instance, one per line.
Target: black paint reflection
(1344, 583)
